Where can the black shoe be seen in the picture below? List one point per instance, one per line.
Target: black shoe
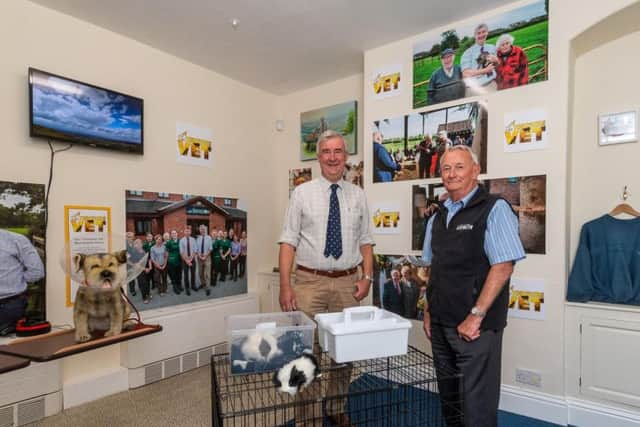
(208, 292)
(188, 293)
(133, 293)
(195, 289)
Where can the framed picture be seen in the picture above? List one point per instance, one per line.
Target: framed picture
(618, 128)
(340, 118)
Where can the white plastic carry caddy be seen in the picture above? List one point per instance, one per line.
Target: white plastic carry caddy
(360, 333)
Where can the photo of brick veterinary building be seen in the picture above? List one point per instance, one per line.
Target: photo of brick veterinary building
(157, 213)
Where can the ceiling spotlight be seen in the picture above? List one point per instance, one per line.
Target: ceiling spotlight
(234, 23)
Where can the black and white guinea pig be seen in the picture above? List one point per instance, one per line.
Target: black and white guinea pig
(297, 374)
(260, 346)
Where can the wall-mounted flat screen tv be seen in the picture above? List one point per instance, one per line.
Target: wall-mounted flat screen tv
(68, 110)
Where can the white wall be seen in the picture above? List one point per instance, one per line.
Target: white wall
(240, 116)
(605, 81)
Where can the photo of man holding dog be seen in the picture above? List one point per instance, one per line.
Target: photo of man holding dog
(478, 64)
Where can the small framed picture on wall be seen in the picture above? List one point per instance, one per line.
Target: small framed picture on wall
(618, 128)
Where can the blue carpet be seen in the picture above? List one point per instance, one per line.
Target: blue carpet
(508, 419)
(376, 402)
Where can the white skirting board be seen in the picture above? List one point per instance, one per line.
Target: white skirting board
(589, 414)
(534, 404)
(569, 411)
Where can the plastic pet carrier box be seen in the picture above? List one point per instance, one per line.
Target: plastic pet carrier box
(266, 341)
(360, 333)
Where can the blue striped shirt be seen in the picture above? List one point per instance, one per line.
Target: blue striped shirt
(19, 264)
(501, 240)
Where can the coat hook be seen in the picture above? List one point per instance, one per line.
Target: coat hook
(625, 194)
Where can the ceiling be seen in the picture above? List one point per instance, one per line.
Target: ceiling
(279, 46)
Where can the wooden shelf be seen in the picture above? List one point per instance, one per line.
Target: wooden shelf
(55, 345)
(11, 363)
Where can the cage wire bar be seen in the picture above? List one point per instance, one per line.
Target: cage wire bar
(397, 391)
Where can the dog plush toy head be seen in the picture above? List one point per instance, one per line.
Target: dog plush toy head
(102, 271)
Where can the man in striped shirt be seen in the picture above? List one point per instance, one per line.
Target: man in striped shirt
(327, 231)
(472, 244)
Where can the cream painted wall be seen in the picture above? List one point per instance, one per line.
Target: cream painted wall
(288, 109)
(605, 82)
(535, 345)
(240, 116)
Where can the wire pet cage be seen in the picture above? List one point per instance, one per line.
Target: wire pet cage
(397, 391)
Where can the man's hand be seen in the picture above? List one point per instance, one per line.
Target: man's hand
(469, 329)
(362, 289)
(489, 69)
(426, 324)
(288, 299)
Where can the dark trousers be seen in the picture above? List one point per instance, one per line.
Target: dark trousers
(175, 271)
(144, 283)
(243, 264)
(132, 286)
(424, 166)
(12, 310)
(234, 269)
(215, 268)
(223, 269)
(189, 275)
(160, 279)
(479, 362)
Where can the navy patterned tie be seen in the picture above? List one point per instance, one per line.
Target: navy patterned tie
(333, 245)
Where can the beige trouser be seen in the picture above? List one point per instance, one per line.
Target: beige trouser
(204, 271)
(319, 294)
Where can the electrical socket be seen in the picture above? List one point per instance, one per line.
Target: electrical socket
(532, 378)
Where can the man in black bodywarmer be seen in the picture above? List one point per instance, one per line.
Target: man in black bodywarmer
(472, 244)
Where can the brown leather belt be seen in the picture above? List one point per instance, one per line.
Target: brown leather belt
(333, 274)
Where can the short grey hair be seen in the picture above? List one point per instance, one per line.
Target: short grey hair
(474, 156)
(327, 135)
(483, 25)
(506, 37)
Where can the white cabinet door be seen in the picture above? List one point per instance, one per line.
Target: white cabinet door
(610, 351)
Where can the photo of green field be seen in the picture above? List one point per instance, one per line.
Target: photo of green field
(341, 118)
(528, 25)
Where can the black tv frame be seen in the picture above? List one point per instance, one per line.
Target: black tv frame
(82, 140)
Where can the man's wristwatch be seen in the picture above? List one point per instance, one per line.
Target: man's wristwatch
(477, 312)
(369, 278)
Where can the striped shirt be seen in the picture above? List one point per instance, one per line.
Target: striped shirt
(501, 240)
(19, 264)
(305, 224)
